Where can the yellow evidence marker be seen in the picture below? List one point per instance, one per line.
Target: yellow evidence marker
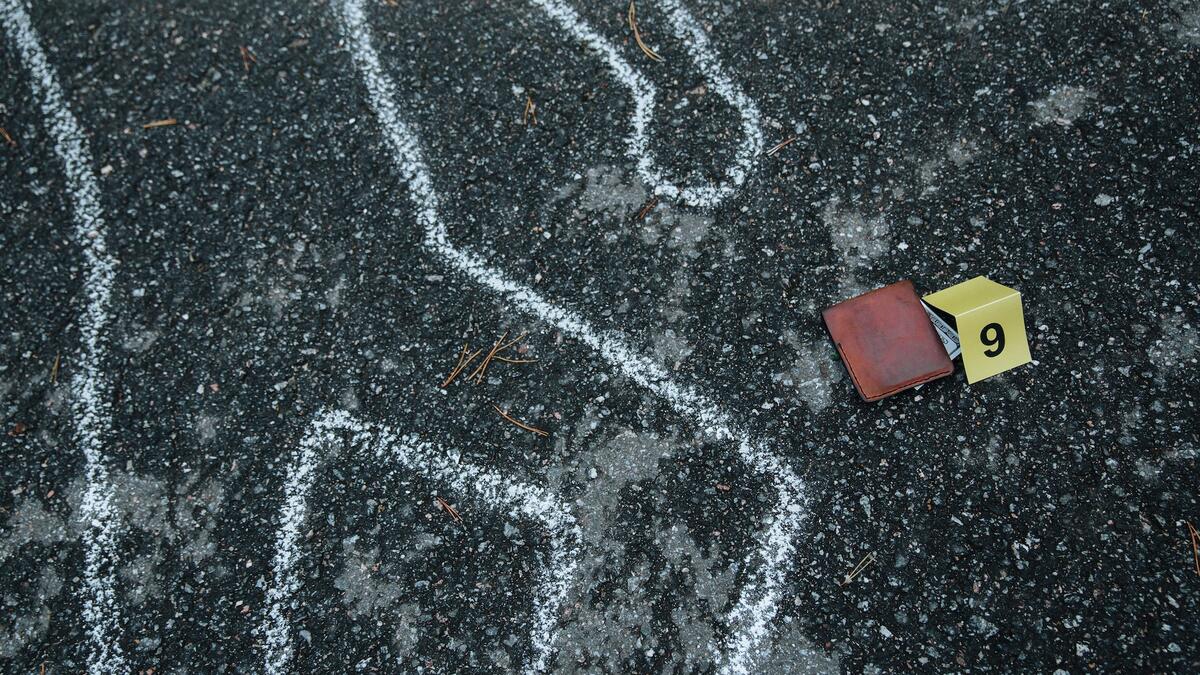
(990, 325)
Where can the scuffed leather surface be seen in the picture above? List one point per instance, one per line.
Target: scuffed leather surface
(886, 341)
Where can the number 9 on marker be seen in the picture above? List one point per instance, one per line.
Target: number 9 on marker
(990, 325)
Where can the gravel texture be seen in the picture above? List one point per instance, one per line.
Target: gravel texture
(270, 265)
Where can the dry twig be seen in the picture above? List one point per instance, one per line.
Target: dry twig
(781, 145)
(637, 35)
(169, 122)
(54, 370)
(858, 569)
(7, 139)
(519, 423)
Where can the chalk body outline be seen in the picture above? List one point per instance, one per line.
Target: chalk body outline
(751, 617)
(487, 488)
(91, 410)
(644, 94)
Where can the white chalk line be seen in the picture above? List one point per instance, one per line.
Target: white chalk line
(688, 31)
(435, 464)
(90, 407)
(751, 617)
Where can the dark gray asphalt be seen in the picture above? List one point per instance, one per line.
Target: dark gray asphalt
(270, 265)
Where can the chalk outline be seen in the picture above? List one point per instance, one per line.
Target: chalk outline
(434, 464)
(94, 416)
(90, 408)
(688, 31)
(759, 600)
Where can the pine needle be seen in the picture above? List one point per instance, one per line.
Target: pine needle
(1195, 544)
(530, 117)
(247, 58)
(445, 506)
(858, 569)
(500, 346)
(647, 208)
(782, 145)
(637, 35)
(463, 361)
(505, 359)
(519, 423)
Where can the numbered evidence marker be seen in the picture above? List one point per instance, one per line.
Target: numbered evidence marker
(990, 325)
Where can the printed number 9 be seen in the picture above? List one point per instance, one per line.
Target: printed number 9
(996, 338)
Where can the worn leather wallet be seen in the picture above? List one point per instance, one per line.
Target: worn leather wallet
(886, 341)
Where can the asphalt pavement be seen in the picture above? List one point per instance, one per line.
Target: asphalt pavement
(229, 444)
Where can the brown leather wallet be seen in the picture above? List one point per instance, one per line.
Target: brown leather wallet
(886, 341)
